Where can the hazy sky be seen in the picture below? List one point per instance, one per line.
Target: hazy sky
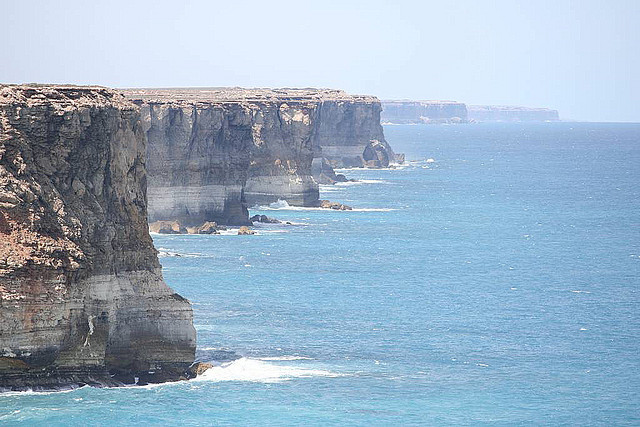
(580, 57)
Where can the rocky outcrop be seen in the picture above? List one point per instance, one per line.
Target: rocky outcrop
(264, 219)
(504, 113)
(323, 172)
(414, 112)
(347, 128)
(245, 231)
(167, 227)
(327, 204)
(82, 298)
(208, 227)
(213, 152)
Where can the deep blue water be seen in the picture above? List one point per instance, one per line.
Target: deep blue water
(498, 284)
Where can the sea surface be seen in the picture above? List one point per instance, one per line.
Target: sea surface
(492, 280)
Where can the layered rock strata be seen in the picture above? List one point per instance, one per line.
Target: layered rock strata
(214, 151)
(82, 298)
(414, 112)
(505, 113)
(349, 133)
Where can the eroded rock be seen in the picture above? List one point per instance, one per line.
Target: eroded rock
(167, 227)
(215, 151)
(264, 219)
(208, 227)
(245, 231)
(326, 204)
(82, 298)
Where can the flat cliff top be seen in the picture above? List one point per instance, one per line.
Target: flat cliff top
(410, 101)
(506, 108)
(72, 96)
(238, 94)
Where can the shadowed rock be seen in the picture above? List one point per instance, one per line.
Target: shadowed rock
(214, 151)
(82, 298)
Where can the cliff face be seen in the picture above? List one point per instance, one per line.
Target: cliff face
(82, 299)
(213, 152)
(410, 112)
(197, 161)
(281, 153)
(505, 113)
(348, 132)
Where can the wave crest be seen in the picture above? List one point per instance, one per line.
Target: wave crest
(256, 370)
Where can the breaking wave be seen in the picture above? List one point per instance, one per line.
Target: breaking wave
(284, 206)
(258, 370)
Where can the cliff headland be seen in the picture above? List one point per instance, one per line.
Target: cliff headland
(414, 112)
(82, 298)
(509, 113)
(213, 152)
(451, 112)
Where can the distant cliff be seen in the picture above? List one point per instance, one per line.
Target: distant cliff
(82, 298)
(413, 112)
(504, 113)
(213, 151)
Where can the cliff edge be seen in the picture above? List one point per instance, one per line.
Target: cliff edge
(214, 151)
(509, 113)
(416, 112)
(82, 298)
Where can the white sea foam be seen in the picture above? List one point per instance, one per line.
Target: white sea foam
(284, 358)
(362, 181)
(229, 232)
(371, 210)
(284, 206)
(42, 393)
(163, 253)
(255, 370)
(392, 167)
(580, 292)
(243, 369)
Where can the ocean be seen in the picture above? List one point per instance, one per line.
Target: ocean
(492, 280)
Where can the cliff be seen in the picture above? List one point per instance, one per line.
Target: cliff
(82, 298)
(504, 113)
(349, 133)
(413, 112)
(214, 151)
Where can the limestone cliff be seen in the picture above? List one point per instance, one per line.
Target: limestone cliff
(197, 160)
(214, 151)
(413, 112)
(82, 298)
(506, 113)
(349, 133)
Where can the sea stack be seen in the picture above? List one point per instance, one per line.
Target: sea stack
(82, 298)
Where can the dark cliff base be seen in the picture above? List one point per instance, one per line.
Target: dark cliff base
(69, 379)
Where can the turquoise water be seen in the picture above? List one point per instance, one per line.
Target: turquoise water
(497, 284)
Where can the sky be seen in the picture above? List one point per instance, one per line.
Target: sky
(579, 57)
